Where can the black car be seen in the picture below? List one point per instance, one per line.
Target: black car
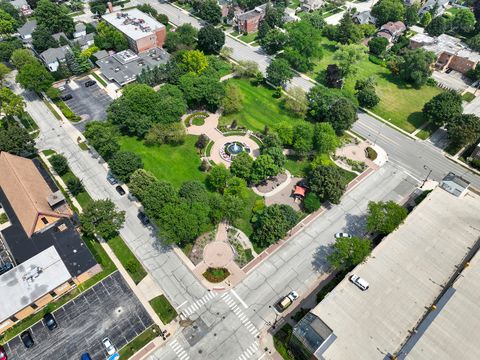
(143, 218)
(27, 339)
(50, 321)
(90, 83)
(120, 190)
(67, 97)
(5, 267)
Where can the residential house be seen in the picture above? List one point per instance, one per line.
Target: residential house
(392, 30)
(141, 30)
(364, 17)
(311, 5)
(290, 15)
(249, 21)
(54, 56)
(430, 4)
(27, 29)
(451, 52)
(43, 243)
(455, 185)
(80, 30)
(22, 7)
(85, 41)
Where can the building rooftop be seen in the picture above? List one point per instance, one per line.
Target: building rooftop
(123, 67)
(258, 11)
(133, 23)
(54, 54)
(448, 44)
(27, 28)
(31, 280)
(407, 271)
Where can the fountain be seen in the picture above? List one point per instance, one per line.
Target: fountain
(234, 148)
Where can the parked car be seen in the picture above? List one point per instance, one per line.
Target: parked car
(5, 267)
(287, 301)
(109, 346)
(120, 190)
(342, 235)
(111, 179)
(359, 282)
(86, 356)
(90, 83)
(143, 218)
(67, 97)
(27, 339)
(50, 321)
(3, 354)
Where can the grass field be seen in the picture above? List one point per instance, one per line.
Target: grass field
(175, 164)
(400, 103)
(164, 310)
(127, 258)
(248, 38)
(260, 108)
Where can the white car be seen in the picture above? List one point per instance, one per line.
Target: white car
(293, 295)
(342, 235)
(109, 346)
(360, 282)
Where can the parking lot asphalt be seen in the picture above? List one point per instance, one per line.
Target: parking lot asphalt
(90, 103)
(110, 309)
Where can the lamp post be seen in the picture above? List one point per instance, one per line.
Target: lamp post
(429, 172)
(379, 132)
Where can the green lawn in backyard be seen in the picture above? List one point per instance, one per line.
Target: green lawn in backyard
(248, 38)
(127, 258)
(175, 164)
(401, 104)
(260, 108)
(163, 308)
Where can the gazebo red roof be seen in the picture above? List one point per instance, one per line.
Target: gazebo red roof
(300, 191)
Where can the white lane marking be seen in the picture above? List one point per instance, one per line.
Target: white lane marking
(179, 306)
(239, 299)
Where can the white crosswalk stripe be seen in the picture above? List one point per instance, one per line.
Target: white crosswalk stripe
(199, 303)
(249, 352)
(179, 351)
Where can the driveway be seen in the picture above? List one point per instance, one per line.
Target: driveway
(110, 309)
(90, 103)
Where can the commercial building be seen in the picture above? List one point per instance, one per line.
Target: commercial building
(36, 219)
(409, 273)
(142, 31)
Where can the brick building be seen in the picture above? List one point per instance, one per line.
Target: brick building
(142, 31)
(249, 21)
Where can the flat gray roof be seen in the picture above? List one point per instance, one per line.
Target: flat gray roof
(133, 23)
(406, 273)
(31, 280)
(453, 333)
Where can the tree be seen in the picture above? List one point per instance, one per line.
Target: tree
(15, 139)
(193, 61)
(273, 224)
(12, 11)
(296, 102)
(42, 39)
(277, 155)
(124, 163)
(274, 15)
(273, 41)
(11, 104)
(426, 19)
(59, 164)
(103, 136)
(328, 183)
(101, 218)
(464, 129)
(170, 133)
(246, 68)
(4, 71)
(347, 32)
(7, 23)
(211, 39)
(208, 10)
(438, 26)
(302, 139)
(334, 76)
(342, 114)
(284, 130)
(184, 38)
(385, 217)
(34, 76)
(348, 56)
(232, 102)
(262, 168)
(204, 90)
(8, 46)
(170, 104)
(194, 191)
(75, 186)
(279, 72)
(140, 181)
(242, 166)
(463, 20)
(388, 10)
(156, 196)
(202, 142)
(473, 42)
(366, 95)
(411, 14)
(54, 17)
(378, 45)
(217, 178)
(349, 252)
(311, 203)
(415, 67)
(325, 139)
(304, 43)
(442, 108)
(21, 57)
(316, 19)
(108, 37)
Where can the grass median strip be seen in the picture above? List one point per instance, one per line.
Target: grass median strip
(139, 342)
(127, 258)
(163, 308)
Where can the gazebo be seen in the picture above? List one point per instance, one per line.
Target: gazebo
(299, 192)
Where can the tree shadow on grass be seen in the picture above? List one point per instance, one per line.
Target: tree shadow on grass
(320, 262)
(416, 119)
(400, 83)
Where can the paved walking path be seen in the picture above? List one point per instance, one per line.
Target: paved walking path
(278, 189)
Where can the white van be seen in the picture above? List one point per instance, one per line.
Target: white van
(360, 282)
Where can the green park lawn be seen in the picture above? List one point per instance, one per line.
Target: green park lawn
(175, 164)
(401, 104)
(260, 108)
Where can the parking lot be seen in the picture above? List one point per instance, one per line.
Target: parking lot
(110, 309)
(90, 103)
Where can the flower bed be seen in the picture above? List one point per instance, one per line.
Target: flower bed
(371, 154)
(216, 275)
(197, 118)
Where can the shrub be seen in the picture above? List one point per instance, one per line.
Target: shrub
(377, 61)
(371, 154)
(475, 163)
(59, 164)
(311, 203)
(75, 186)
(216, 275)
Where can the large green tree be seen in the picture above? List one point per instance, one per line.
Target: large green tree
(443, 107)
(54, 17)
(342, 114)
(211, 39)
(378, 45)
(124, 163)
(464, 129)
(217, 178)
(242, 166)
(208, 10)
(416, 66)
(296, 102)
(140, 181)
(302, 142)
(15, 139)
(11, 104)
(263, 167)
(184, 38)
(347, 32)
(385, 217)
(279, 72)
(348, 56)
(325, 139)
(34, 76)
(388, 10)
(107, 37)
(203, 90)
(103, 136)
(438, 26)
(273, 41)
(349, 252)
(7, 23)
(101, 218)
(328, 183)
(273, 224)
(42, 39)
(463, 20)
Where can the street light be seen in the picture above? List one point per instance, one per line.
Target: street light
(379, 132)
(426, 178)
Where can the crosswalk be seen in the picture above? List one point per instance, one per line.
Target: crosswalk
(239, 313)
(250, 351)
(198, 304)
(178, 348)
